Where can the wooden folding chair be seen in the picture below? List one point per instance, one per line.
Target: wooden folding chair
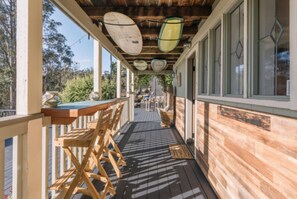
(113, 152)
(73, 178)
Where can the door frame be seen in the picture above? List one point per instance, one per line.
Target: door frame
(189, 96)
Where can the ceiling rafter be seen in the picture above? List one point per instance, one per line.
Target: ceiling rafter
(149, 16)
(151, 12)
(176, 51)
(154, 32)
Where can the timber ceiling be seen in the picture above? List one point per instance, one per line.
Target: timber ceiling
(148, 15)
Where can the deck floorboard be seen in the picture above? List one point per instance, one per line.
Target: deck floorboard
(150, 172)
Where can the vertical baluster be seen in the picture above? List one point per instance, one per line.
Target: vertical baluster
(69, 128)
(88, 119)
(80, 125)
(74, 149)
(2, 158)
(54, 156)
(85, 126)
(17, 172)
(45, 159)
(63, 130)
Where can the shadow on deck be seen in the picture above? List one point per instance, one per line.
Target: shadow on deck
(150, 170)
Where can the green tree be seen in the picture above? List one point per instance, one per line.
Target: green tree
(57, 55)
(77, 89)
(8, 53)
(142, 81)
(165, 80)
(109, 83)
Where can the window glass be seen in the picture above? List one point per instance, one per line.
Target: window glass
(274, 51)
(217, 62)
(204, 65)
(235, 72)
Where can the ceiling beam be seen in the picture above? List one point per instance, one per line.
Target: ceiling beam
(149, 57)
(144, 13)
(149, 61)
(150, 51)
(153, 32)
(154, 44)
(151, 72)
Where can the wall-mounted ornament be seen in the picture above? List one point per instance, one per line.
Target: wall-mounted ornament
(178, 79)
(170, 33)
(124, 32)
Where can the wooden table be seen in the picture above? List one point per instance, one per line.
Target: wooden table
(67, 113)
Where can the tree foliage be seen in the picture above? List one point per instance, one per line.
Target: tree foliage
(57, 55)
(142, 81)
(8, 53)
(77, 89)
(109, 85)
(165, 80)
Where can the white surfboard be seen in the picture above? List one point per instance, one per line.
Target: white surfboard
(158, 65)
(124, 32)
(140, 64)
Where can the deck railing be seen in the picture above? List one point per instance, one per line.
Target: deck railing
(7, 112)
(54, 161)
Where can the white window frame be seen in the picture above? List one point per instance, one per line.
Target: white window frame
(274, 104)
(201, 79)
(227, 48)
(254, 52)
(212, 60)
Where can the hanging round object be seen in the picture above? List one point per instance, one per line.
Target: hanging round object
(158, 65)
(124, 32)
(170, 34)
(140, 64)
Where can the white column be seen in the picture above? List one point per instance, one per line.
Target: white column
(128, 82)
(27, 165)
(97, 70)
(132, 98)
(119, 78)
(293, 58)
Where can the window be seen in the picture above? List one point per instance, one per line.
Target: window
(204, 62)
(236, 67)
(272, 72)
(216, 72)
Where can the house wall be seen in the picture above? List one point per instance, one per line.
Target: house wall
(180, 116)
(246, 154)
(246, 146)
(181, 90)
(180, 99)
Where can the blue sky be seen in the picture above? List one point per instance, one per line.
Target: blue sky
(81, 46)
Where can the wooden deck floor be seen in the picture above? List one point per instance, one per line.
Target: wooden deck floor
(150, 171)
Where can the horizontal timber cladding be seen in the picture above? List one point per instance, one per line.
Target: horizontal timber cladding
(180, 116)
(247, 154)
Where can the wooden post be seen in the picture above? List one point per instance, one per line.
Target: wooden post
(132, 95)
(97, 67)
(2, 158)
(118, 78)
(128, 93)
(27, 165)
(127, 82)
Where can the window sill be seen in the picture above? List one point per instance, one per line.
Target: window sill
(275, 98)
(271, 106)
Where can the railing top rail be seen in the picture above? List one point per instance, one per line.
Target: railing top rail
(15, 119)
